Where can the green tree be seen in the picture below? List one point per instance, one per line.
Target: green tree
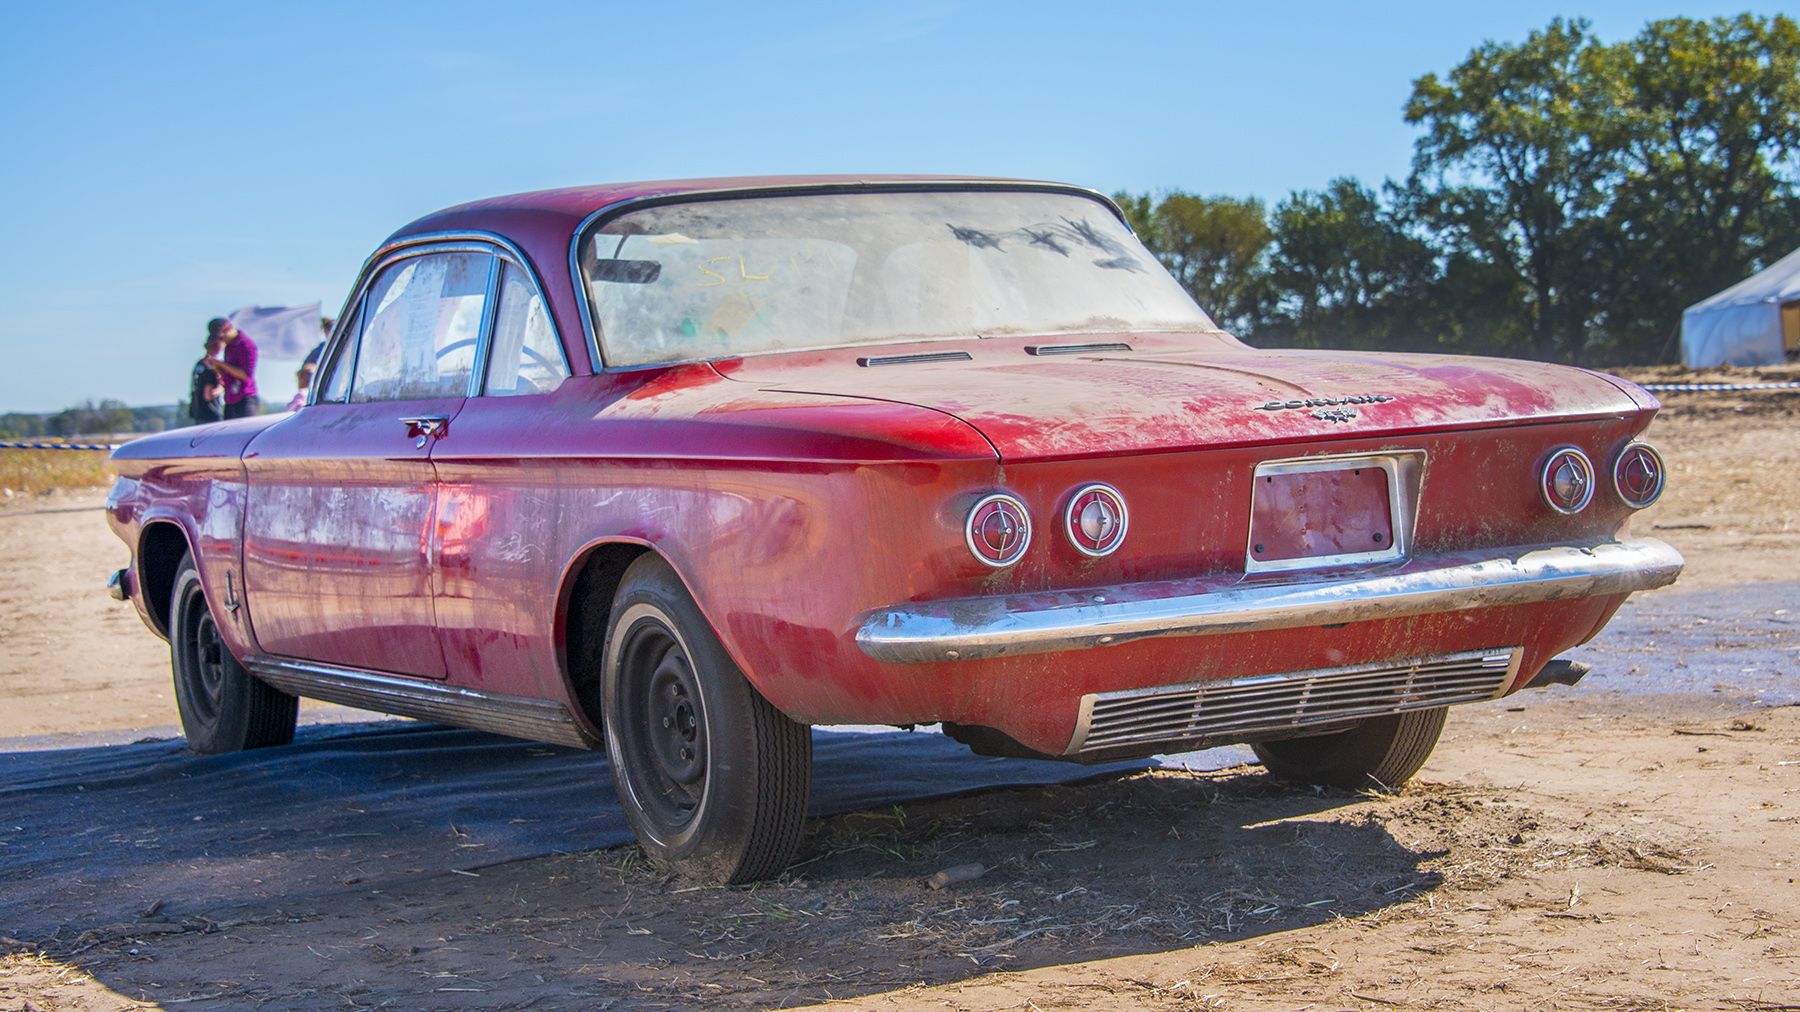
(90, 418)
(1705, 117)
(20, 425)
(1215, 246)
(1515, 173)
(1346, 272)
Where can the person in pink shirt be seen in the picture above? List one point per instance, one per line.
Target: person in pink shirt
(302, 379)
(237, 367)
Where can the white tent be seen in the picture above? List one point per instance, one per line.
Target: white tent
(1754, 322)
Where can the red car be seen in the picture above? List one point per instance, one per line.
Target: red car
(682, 468)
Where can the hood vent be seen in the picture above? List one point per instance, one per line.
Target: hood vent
(926, 356)
(1075, 349)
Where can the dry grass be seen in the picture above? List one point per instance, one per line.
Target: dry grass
(32, 471)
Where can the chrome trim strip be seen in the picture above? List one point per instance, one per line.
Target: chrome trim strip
(1257, 707)
(1076, 349)
(1008, 626)
(616, 208)
(913, 358)
(484, 335)
(518, 716)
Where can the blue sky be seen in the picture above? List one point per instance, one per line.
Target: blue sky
(167, 163)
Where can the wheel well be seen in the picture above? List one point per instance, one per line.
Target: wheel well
(587, 614)
(160, 551)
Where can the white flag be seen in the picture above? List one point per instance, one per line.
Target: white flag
(280, 332)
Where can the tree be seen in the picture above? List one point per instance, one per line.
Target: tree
(1515, 172)
(1215, 246)
(19, 425)
(1346, 272)
(1705, 116)
(90, 419)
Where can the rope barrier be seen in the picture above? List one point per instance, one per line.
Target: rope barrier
(1708, 387)
(10, 445)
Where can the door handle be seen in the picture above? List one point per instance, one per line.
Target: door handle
(425, 428)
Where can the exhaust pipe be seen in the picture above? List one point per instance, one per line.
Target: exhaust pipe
(1561, 671)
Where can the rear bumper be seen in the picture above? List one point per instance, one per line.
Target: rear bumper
(989, 627)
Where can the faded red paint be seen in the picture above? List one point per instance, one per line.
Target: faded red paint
(795, 493)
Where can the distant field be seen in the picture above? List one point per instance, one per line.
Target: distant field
(26, 471)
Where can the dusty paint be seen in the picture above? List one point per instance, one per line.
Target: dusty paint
(796, 493)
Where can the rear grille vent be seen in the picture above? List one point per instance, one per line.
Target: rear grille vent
(1263, 706)
(928, 356)
(1075, 349)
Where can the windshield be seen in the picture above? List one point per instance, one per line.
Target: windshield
(742, 276)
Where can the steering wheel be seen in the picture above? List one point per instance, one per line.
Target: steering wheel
(537, 358)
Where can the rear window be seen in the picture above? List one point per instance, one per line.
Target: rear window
(745, 276)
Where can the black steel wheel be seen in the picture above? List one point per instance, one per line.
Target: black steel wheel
(223, 707)
(712, 777)
(1381, 753)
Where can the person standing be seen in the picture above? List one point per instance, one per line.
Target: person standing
(302, 379)
(237, 367)
(205, 389)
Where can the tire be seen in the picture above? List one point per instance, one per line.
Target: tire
(712, 778)
(1381, 753)
(223, 707)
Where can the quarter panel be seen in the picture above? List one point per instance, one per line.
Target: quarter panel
(203, 495)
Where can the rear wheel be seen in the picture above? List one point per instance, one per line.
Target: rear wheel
(223, 707)
(1381, 752)
(712, 778)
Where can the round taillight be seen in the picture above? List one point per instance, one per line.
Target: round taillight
(1638, 475)
(1567, 481)
(998, 530)
(1096, 519)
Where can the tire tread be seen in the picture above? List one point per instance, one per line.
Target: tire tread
(1381, 753)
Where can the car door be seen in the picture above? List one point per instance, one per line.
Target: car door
(339, 543)
(497, 512)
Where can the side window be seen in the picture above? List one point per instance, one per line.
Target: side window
(527, 358)
(420, 321)
(337, 375)
(334, 384)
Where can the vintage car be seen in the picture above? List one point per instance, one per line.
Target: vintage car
(682, 468)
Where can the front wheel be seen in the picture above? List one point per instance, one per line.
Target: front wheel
(1381, 753)
(712, 778)
(223, 707)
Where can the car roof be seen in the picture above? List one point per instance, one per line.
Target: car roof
(540, 224)
(569, 206)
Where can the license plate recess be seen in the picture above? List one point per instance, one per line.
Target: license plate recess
(1329, 511)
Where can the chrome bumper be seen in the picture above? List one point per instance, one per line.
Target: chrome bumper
(987, 627)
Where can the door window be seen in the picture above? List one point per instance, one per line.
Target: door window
(334, 382)
(422, 317)
(527, 357)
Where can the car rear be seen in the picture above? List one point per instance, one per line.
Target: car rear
(1222, 565)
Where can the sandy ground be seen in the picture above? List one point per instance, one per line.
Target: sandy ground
(1559, 851)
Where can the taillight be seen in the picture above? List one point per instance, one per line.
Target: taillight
(1567, 481)
(1638, 475)
(1095, 519)
(998, 530)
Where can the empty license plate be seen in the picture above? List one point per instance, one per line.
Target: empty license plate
(1328, 512)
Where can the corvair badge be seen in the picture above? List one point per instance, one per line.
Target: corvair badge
(1327, 409)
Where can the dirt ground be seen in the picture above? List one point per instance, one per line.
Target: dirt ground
(1559, 850)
